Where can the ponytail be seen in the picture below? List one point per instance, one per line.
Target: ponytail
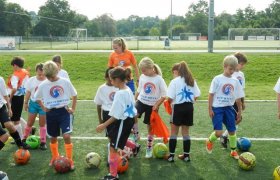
(157, 70)
(185, 72)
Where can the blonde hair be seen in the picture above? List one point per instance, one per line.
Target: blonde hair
(231, 61)
(120, 42)
(185, 72)
(50, 69)
(148, 63)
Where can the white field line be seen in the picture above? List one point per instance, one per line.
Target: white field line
(179, 138)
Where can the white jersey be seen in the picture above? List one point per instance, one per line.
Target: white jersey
(151, 89)
(20, 90)
(105, 96)
(277, 87)
(56, 94)
(240, 77)
(123, 105)
(32, 86)
(3, 92)
(62, 73)
(226, 90)
(180, 92)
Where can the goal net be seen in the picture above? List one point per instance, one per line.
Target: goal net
(77, 35)
(254, 37)
(190, 36)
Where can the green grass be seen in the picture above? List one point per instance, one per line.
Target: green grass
(86, 70)
(259, 121)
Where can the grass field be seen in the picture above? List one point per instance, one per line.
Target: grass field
(86, 70)
(259, 121)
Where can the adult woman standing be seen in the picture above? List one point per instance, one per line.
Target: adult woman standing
(124, 58)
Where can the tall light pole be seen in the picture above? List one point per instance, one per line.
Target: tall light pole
(171, 21)
(210, 26)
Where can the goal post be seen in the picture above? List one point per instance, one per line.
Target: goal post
(77, 35)
(190, 36)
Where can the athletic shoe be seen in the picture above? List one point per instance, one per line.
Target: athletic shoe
(51, 161)
(43, 146)
(136, 150)
(224, 141)
(25, 146)
(110, 177)
(33, 131)
(209, 146)
(234, 154)
(148, 153)
(72, 167)
(184, 157)
(170, 158)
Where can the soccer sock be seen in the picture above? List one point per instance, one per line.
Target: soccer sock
(54, 150)
(114, 156)
(27, 132)
(16, 137)
(108, 157)
(186, 145)
(232, 141)
(172, 144)
(43, 133)
(150, 141)
(225, 134)
(19, 130)
(130, 144)
(1, 145)
(213, 137)
(69, 150)
(23, 124)
(135, 132)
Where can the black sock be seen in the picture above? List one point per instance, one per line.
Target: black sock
(16, 137)
(1, 145)
(187, 146)
(172, 145)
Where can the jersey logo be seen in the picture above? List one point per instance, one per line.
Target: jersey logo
(239, 79)
(185, 94)
(149, 88)
(129, 111)
(112, 95)
(228, 89)
(121, 63)
(56, 91)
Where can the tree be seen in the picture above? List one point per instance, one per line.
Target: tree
(223, 22)
(92, 28)
(154, 32)
(107, 25)
(2, 14)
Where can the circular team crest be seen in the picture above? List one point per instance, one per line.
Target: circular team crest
(149, 88)
(228, 89)
(111, 96)
(56, 91)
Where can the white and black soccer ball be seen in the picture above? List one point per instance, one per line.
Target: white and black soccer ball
(3, 176)
(93, 160)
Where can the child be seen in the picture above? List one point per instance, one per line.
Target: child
(150, 94)
(122, 115)
(182, 92)
(16, 87)
(61, 72)
(242, 60)
(224, 91)
(277, 90)
(33, 107)
(56, 93)
(5, 113)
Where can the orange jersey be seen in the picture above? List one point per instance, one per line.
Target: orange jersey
(125, 59)
(20, 74)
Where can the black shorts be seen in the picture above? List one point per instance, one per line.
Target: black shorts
(143, 108)
(4, 116)
(182, 114)
(2, 131)
(105, 117)
(17, 105)
(120, 132)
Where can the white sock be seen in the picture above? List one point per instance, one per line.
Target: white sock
(23, 124)
(19, 130)
(225, 134)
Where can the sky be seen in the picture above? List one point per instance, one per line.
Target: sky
(120, 9)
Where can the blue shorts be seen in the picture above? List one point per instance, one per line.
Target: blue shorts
(130, 84)
(224, 115)
(58, 119)
(35, 108)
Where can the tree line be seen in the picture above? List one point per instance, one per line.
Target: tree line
(55, 18)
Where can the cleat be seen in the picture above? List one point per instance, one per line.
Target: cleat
(136, 150)
(224, 141)
(184, 157)
(234, 154)
(209, 146)
(33, 131)
(43, 146)
(110, 177)
(170, 158)
(72, 167)
(52, 160)
(148, 153)
(25, 146)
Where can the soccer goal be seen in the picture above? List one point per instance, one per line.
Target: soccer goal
(7, 42)
(77, 35)
(190, 36)
(254, 37)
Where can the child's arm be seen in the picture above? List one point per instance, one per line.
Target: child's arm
(26, 99)
(278, 103)
(74, 103)
(158, 103)
(239, 105)
(136, 95)
(98, 107)
(8, 106)
(210, 103)
(102, 126)
(40, 102)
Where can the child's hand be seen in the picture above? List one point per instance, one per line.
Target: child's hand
(211, 113)
(238, 118)
(155, 107)
(45, 109)
(10, 112)
(70, 110)
(100, 128)
(243, 106)
(25, 106)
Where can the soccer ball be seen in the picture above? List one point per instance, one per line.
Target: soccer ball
(160, 150)
(21, 156)
(33, 141)
(247, 161)
(62, 164)
(122, 165)
(93, 160)
(126, 152)
(3, 176)
(243, 144)
(276, 173)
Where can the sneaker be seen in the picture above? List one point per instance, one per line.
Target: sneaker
(136, 150)
(224, 141)
(170, 158)
(43, 146)
(25, 146)
(72, 167)
(110, 177)
(148, 153)
(33, 131)
(234, 154)
(51, 161)
(184, 157)
(209, 146)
